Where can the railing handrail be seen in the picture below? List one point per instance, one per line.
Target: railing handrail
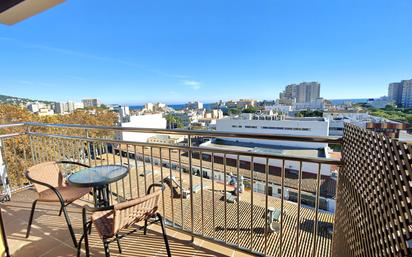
(11, 135)
(319, 160)
(185, 159)
(184, 132)
(11, 125)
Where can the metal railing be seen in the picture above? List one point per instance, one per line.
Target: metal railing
(285, 207)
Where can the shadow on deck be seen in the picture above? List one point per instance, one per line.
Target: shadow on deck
(50, 237)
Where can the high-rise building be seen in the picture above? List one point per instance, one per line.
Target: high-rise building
(406, 93)
(91, 103)
(305, 92)
(395, 93)
(67, 107)
(60, 108)
(312, 91)
(194, 105)
(70, 106)
(401, 93)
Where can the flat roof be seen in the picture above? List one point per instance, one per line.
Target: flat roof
(306, 118)
(265, 148)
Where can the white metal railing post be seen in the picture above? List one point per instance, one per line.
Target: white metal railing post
(189, 139)
(3, 171)
(230, 222)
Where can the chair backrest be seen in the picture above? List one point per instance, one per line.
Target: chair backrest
(135, 210)
(46, 172)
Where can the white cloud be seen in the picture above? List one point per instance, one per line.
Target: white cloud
(193, 84)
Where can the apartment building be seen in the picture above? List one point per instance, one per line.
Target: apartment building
(142, 121)
(93, 102)
(166, 139)
(407, 93)
(401, 93)
(67, 107)
(272, 124)
(194, 105)
(395, 93)
(304, 92)
(244, 103)
(317, 104)
(279, 108)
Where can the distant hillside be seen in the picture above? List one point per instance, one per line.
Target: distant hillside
(5, 99)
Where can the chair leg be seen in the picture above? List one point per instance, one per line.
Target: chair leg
(164, 235)
(90, 229)
(69, 224)
(61, 210)
(86, 240)
(79, 245)
(31, 218)
(84, 235)
(106, 249)
(118, 243)
(145, 227)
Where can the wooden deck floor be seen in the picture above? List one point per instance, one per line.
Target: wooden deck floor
(213, 219)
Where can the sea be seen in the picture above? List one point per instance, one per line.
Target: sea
(208, 106)
(174, 106)
(354, 101)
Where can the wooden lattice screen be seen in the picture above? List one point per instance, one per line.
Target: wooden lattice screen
(373, 213)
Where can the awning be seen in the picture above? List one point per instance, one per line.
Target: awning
(13, 11)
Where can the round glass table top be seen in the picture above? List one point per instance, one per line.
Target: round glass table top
(98, 176)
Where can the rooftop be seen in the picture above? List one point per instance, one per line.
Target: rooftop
(265, 148)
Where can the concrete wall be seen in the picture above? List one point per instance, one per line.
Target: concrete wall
(277, 127)
(142, 121)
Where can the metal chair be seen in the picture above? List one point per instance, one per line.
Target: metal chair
(109, 221)
(51, 187)
(4, 246)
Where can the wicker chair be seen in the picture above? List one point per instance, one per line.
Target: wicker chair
(51, 187)
(109, 221)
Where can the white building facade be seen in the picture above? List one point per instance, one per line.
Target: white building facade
(293, 127)
(142, 121)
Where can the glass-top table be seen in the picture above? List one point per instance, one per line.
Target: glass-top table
(98, 178)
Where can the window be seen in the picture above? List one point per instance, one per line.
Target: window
(281, 128)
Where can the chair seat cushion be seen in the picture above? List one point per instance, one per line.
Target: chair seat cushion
(103, 221)
(68, 193)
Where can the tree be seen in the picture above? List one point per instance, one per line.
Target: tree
(174, 121)
(234, 111)
(390, 107)
(309, 113)
(250, 109)
(18, 150)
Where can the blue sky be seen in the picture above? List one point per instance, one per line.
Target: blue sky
(174, 51)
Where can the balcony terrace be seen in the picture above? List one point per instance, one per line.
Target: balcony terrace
(203, 224)
(49, 235)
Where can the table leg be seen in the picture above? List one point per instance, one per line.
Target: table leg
(95, 196)
(105, 201)
(101, 196)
